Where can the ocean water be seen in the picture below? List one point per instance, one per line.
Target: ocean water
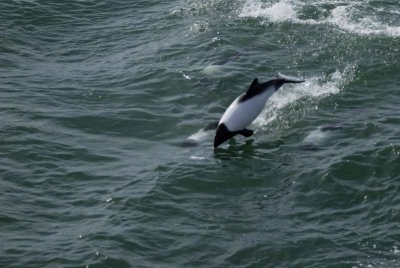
(98, 98)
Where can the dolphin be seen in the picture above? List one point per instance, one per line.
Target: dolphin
(245, 108)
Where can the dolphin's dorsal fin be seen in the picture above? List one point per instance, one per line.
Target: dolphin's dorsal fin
(253, 87)
(253, 84)
(253, 90)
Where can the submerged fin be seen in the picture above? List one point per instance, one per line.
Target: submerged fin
(246, 132)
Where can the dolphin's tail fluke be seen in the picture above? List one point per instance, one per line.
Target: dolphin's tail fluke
(287, 79)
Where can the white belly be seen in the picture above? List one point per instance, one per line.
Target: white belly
(238, 116)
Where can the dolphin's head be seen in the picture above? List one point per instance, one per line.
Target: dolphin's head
(222, 135)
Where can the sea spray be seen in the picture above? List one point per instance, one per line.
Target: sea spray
(317, 87)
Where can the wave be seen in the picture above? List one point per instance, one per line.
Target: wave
(346, 17)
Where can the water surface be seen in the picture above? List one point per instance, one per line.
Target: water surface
(98, 96)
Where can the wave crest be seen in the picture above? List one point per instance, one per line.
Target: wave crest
(346, 17)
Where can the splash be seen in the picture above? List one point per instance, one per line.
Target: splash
(200, 26)
(316, 136)
(319, 135)
(314, 87)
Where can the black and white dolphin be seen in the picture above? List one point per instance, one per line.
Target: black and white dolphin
(245, 108)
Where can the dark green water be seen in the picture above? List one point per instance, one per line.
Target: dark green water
(97, 97)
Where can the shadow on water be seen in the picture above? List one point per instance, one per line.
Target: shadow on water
(246, 150)
(189, 143)
(200, 136)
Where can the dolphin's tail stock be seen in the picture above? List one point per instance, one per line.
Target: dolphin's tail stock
(286, 79)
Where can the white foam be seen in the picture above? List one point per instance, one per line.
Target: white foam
(194, 157)
(316, 136)
(185, 75)
(278, 12)
(314, 87)
(343, 16)
(212, 69)
(200, 26)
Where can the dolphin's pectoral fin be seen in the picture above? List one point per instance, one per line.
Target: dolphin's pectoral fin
(246, 132)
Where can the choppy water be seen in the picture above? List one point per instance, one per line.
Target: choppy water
(98, 96)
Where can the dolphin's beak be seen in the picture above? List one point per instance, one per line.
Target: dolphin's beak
(222, 135)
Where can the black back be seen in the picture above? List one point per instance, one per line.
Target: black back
(257, 88)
